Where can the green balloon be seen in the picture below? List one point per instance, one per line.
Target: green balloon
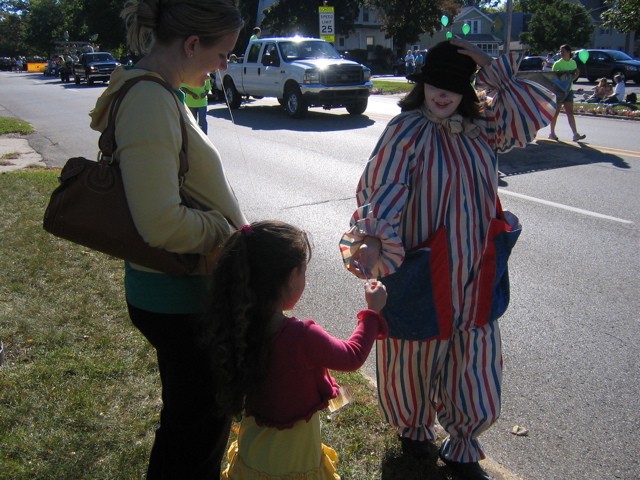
(583, 55)
(444, 20)
(449, 35)
(466, 29)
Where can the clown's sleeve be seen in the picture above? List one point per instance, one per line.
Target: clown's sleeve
(518, 108)
(381, 195)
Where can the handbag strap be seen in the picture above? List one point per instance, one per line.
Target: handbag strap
(107, 142)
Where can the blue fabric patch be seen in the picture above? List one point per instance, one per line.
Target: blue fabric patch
(504, 243)
(410, 311)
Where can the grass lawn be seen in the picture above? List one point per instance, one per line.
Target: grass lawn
(79, 388)
(387, 87)
(14, 125)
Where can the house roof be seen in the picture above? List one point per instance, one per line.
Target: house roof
(471, 10)
(480, 38)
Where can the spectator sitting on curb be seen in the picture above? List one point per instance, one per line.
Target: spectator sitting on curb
(601, 91)
(618, 93)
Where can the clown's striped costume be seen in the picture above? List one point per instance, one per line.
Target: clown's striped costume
(425, 173)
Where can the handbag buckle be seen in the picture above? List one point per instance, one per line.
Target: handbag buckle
(108, 159)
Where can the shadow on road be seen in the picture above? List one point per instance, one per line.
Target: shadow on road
(548, 155)
(273, 117)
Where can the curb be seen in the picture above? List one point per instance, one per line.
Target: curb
(16, 154)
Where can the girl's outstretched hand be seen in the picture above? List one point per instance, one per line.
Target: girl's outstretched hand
(376, 295)
(478, 55)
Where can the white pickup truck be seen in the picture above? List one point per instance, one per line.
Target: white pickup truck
(300, 73)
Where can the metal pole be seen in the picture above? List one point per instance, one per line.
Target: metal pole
(507, 30)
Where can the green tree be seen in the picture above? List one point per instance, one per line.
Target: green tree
(249, 10)
(623, 15)
(102, 18)
(13, 7)
(290, 17)
(12, 29)
(406, 20)
(556, 22)
(45, 22)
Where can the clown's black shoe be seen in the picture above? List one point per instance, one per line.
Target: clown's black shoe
(467, 471)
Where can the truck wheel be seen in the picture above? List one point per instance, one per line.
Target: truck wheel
(76, 78)
(358, 108)
(294, 104)
(234, 100)
(89, 81)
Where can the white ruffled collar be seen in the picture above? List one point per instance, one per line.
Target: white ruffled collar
(455, 123)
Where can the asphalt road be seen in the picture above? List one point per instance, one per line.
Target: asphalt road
(571, 334)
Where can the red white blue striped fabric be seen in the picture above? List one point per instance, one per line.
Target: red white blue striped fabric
(421, 176)
(457, 381)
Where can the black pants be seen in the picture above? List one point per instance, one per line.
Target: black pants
(192, 437)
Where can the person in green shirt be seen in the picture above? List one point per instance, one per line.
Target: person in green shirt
(256, 34)
(566, 63)
(197, 101)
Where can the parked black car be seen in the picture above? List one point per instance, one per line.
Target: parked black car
(607, 63)
(533, 62)
(5, 64)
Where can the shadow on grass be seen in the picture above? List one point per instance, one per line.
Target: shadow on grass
(398, 465)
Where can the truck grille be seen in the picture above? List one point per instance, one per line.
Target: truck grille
(343, 75)
(106, 69)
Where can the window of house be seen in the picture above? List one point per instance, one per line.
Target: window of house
(341, 41)
(490, 48)
(475, 26)
(365, 14)
(370, 44)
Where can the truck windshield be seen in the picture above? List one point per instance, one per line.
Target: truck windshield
(307, 49)
(99, 57)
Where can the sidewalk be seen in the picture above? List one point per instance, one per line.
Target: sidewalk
(16, 153)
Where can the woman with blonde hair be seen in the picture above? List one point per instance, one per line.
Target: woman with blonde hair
(602, 90)
(183, 41)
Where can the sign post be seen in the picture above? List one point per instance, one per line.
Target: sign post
(327, 28)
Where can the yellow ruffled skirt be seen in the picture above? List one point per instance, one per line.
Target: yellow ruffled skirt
(264, 453)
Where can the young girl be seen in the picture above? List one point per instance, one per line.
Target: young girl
(432, 181)
(273, 369)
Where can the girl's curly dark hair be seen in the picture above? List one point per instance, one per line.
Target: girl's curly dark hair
(249, 279)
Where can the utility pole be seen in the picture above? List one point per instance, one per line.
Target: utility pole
(507, 29)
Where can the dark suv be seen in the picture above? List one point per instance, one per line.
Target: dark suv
(608, 63)
(94, 66)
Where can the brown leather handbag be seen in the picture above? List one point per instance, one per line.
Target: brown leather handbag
(90, 208)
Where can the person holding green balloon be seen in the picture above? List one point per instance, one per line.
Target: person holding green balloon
(566, 63)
